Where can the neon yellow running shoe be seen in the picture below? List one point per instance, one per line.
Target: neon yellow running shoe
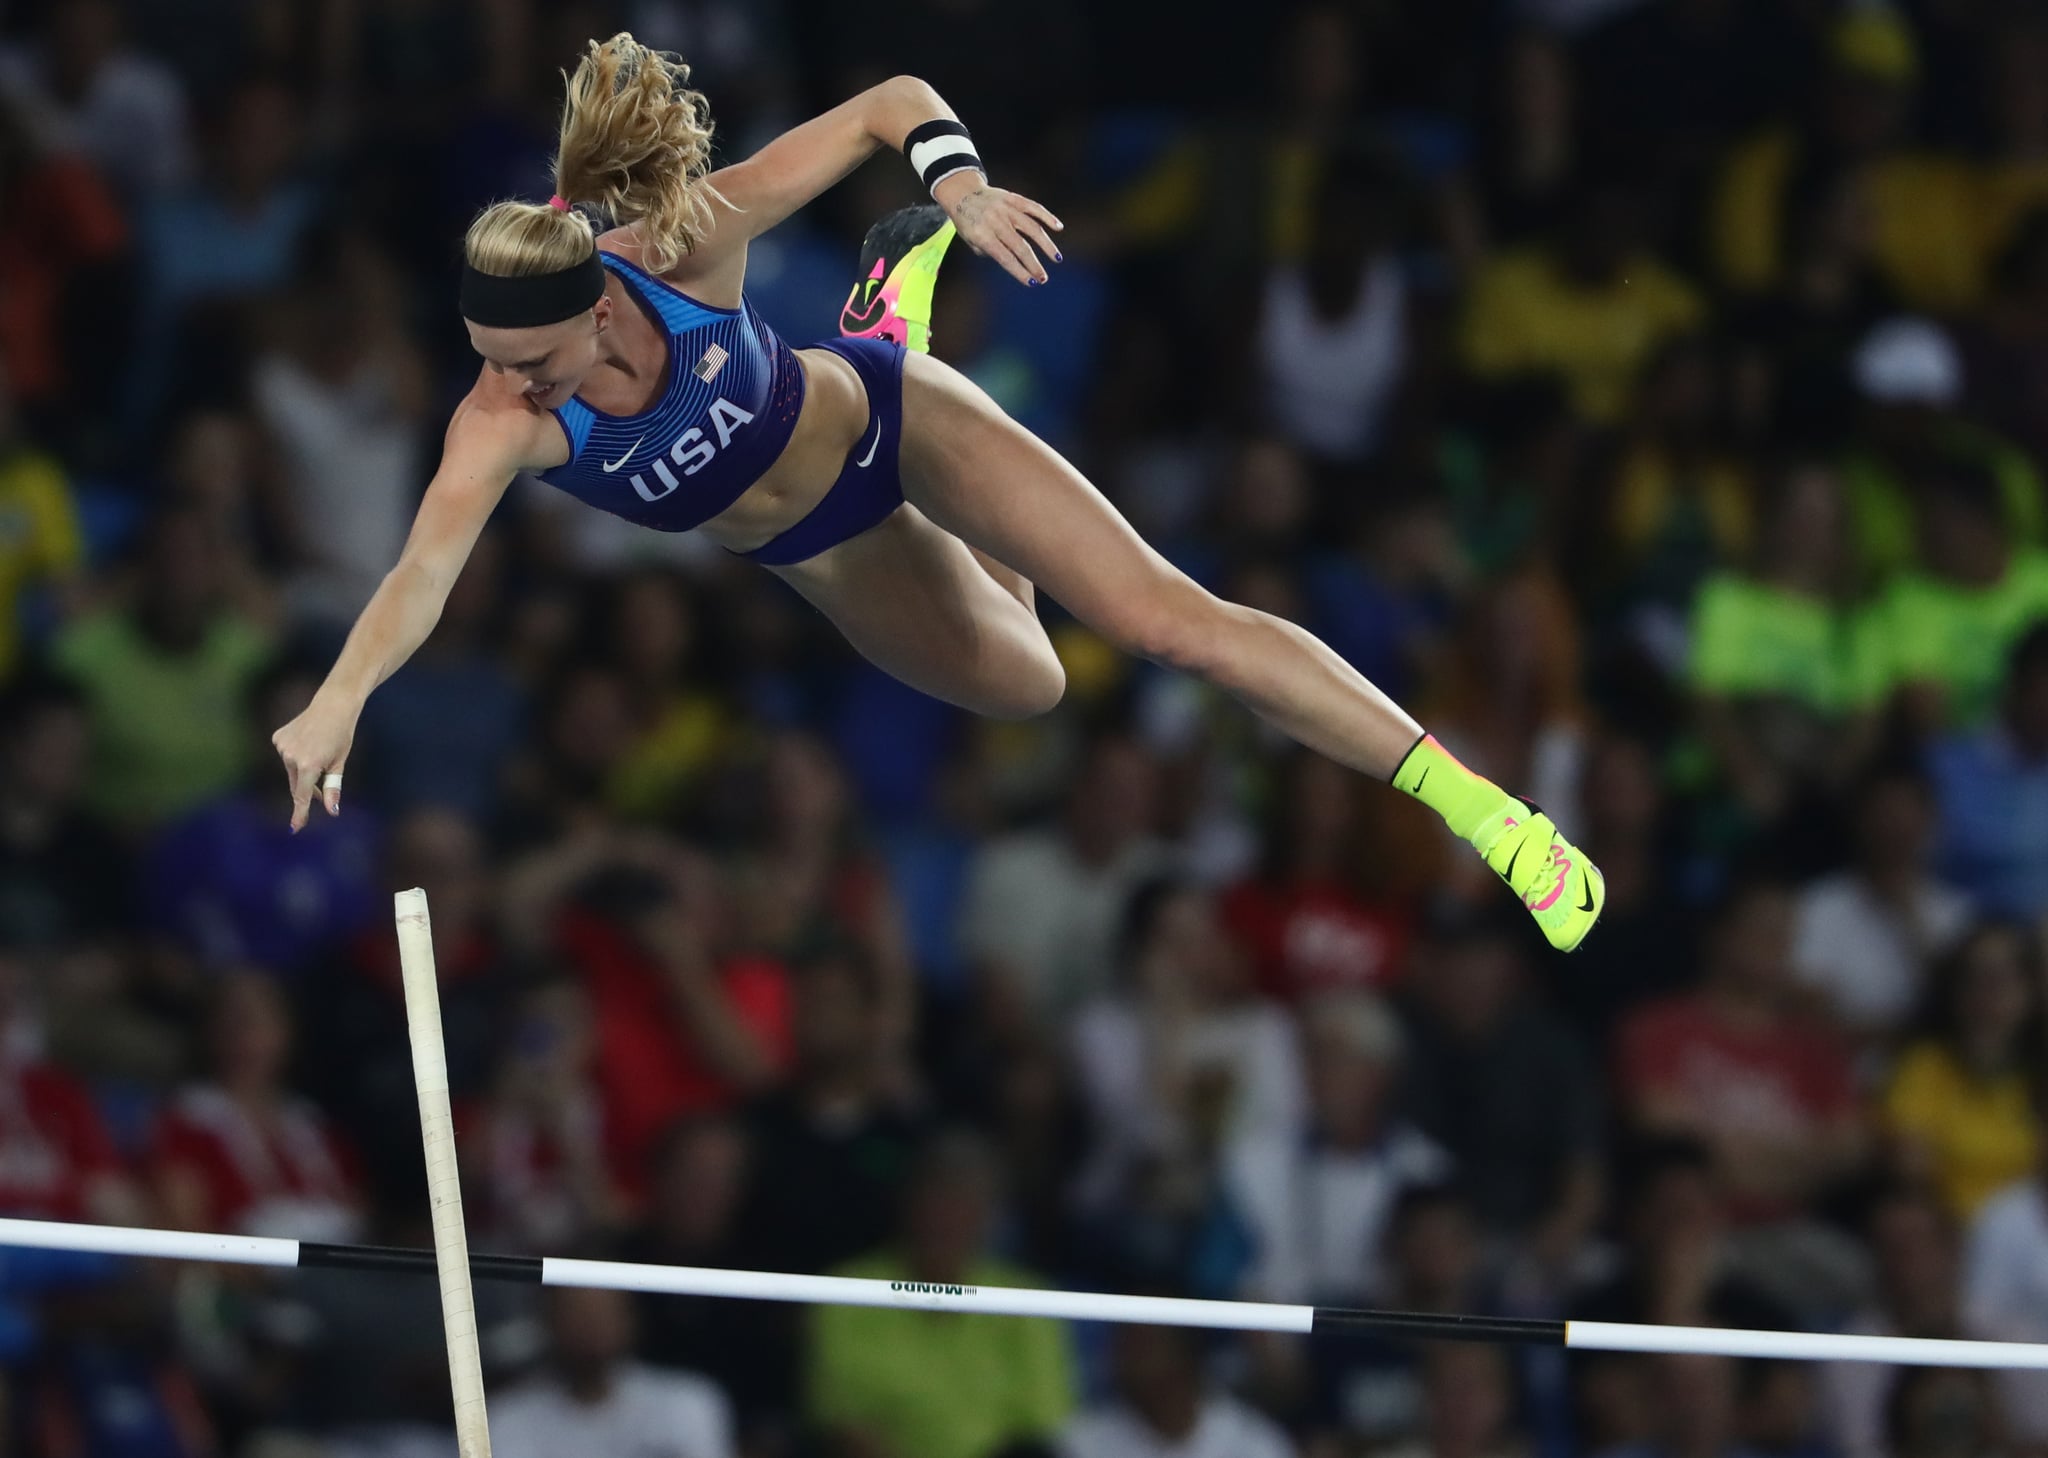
(1563, 890)
(899, 267)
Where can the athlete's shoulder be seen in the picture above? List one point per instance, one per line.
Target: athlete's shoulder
(714, 269)
(498, 424)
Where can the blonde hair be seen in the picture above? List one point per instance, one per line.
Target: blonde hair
(636, 140)
(514, 239)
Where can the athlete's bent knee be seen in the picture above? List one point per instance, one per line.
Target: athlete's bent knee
(1036, 690)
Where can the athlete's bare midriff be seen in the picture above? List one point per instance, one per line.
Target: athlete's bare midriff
(831, 423)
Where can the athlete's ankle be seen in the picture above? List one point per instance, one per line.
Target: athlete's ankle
(1475, 808)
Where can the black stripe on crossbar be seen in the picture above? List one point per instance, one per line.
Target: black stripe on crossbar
(1421, 1324)
(526, 1269)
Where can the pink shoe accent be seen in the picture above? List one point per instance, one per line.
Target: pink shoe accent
(1564, 867)
(888, 324)
(880, 263)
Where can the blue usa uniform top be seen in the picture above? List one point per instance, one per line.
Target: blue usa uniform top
(729, 405)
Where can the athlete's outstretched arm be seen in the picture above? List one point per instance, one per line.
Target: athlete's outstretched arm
(807, 159)
(478, 463)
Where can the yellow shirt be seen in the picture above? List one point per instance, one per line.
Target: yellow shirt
(1526, 316)
(657, 772)
(1981, 1133)
(1925, 209)
(938, 1384)
(38, 538)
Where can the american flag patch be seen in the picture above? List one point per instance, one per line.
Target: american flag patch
(707, 368)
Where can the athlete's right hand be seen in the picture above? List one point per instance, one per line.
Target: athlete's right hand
(312, 746)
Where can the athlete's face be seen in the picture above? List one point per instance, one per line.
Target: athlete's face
(549, 363)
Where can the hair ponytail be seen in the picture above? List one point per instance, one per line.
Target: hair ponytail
(637, 141)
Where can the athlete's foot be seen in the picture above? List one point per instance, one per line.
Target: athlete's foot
(1563, 890)
(899, 267)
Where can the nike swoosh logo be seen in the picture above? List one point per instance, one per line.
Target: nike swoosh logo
(1587, 904)
(862, 463)
(611, 466)
(873, 284)
(1425, 778)
(870, 312)
(1509, 874)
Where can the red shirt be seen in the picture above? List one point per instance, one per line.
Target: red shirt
(1309, 937)
(1784, 1081)
(649, 1071)
(53, 1144)
(525, 1196)
(286, 1177)
(59, 217)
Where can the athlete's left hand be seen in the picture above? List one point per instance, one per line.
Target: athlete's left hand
(1005, 226)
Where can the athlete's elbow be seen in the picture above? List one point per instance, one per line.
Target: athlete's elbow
(912, 95)
(419, 585)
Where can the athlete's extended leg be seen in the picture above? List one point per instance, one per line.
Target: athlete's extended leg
(974, 471)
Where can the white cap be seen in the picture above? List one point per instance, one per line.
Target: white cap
(1909, 362)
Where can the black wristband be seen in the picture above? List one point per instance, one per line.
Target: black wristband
(939, 148)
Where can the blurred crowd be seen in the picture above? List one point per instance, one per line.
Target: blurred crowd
(1648, 393)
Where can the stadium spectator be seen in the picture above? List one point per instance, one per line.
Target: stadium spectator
(1957, 1107)
(64, 876)
(1863, 936)
(700, 1176)
(213, 249)
(1914, 1242)
(1784, 684)
(1376, 1391)
(1648, 950)
(687, 1019)
(1335, 341)
(1183, 1060)
(1948, 626)
(239, 1151)
(1733, 1065)
(2004, 1296)
(903, 1381)
(1678, 501)
(833, 1144)
(1591, 307)
(359, 1066)
(341, 391)
(161, 672)
(1318, 1208)
(444, 732)
(53, 270)
(1305, 917)
(536, 1177)
(41, 551)
(1993, 789)
(1912, 430)
(94, 91)
(1507, 699)
(1477, 1042)
(1694, 1411)
(1039, 913)
(681, 723)
(1941, 1410)
(1165, 1407)
(594, 1398)
(228, 884)
(1856, 125)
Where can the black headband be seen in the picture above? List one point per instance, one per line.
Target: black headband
(534, 299)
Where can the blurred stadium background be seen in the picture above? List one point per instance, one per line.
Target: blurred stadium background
(1648, 392)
